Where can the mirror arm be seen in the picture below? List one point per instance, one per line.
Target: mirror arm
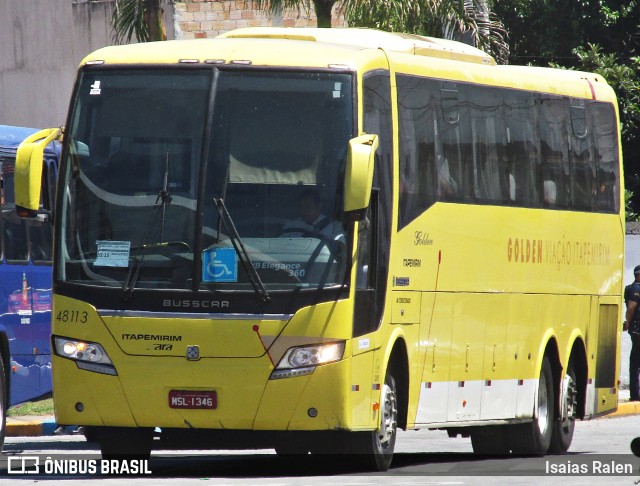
(28, 171)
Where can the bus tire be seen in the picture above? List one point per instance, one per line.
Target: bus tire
(534, 438)
(564, 425)
(491, 440)
(4, 402)
(374, 450)
(125, 442)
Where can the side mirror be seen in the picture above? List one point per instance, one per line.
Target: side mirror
(358, 179)
(28, 171)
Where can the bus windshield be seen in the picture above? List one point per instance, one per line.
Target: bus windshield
(206, 179)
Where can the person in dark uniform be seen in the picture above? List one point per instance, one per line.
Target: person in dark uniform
(632, 325)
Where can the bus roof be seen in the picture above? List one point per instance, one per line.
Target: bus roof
(370, 38)
(308, 46)
(351, 48)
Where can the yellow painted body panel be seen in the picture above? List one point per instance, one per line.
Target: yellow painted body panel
(247, 399)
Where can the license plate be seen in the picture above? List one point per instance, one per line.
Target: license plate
(193, 399)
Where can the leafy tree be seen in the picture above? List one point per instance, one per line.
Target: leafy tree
(142, 18)
(470, 21)
(322, 8)
(624, 80)
(544, 31)
(630, 214)
(602, 36)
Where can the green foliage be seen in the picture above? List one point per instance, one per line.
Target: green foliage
(139, 18)
(623, 78)
(470, 21)
(631, 215)
(322, 8)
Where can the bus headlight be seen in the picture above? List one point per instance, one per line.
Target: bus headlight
(304, 359)
(87, 355)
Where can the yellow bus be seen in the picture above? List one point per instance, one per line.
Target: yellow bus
(308, 239)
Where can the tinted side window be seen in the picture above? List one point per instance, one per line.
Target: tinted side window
(14, 230)
(606, 156)
(374, 238)
(462, 142)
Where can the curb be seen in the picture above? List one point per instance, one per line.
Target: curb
(30, 426)
(625, 408)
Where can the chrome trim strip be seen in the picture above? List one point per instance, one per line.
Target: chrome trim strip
(194, 315)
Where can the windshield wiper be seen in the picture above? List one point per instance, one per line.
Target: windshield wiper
(245, 259)
(164, 198)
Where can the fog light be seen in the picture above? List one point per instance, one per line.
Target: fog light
(79, 407)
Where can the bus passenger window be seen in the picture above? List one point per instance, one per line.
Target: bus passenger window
(418, 114)
(15, 237)
(555, 148)
(522, 151)
(606, 140)
(40, 244)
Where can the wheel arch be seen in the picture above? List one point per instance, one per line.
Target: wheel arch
(398, 364)
(578, 358)
(552, 352)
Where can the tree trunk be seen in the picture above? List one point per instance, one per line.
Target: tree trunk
(153, 18)
(323, 12)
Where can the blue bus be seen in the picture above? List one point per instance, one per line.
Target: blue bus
(25, 283)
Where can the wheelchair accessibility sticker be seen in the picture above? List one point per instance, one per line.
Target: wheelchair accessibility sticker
(219, 265)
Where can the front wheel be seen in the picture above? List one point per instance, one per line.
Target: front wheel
(124, 442)
(375, 449)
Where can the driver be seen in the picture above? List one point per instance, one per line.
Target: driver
(311, 221)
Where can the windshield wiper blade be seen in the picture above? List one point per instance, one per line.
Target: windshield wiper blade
(132, 278)
(163, 200)
(245, 259)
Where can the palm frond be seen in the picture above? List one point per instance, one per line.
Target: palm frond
(469, 21)
(276, 6)
(139, 18)
(128, 20)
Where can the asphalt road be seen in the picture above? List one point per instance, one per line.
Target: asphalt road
(423, 457)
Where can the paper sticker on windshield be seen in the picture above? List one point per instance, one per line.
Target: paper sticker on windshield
(219, 265)
(112, 253)
(95, 88)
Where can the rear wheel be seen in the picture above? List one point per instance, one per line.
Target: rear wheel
(564, 425)
(535, 437)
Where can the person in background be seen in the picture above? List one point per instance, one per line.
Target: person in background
(632, 325)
